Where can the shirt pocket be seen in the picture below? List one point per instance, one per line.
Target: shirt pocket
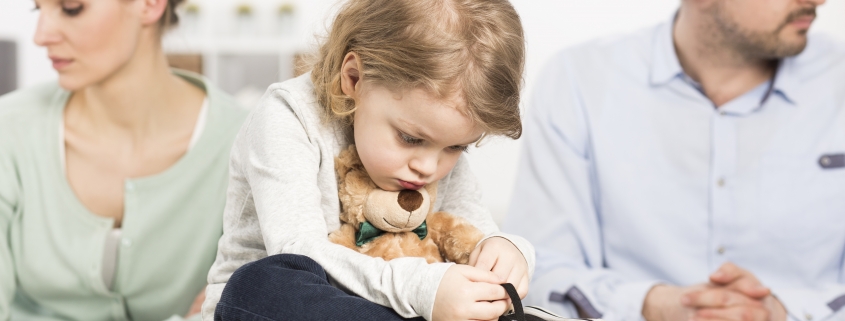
(801, 203)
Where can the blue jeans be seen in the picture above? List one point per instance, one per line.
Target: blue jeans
(292, 287)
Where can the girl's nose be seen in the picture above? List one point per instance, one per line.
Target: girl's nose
(46, 33)
(424, 165)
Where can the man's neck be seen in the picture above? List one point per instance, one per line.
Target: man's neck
(723, 72)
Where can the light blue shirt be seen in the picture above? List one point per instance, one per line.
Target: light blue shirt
(631, 177)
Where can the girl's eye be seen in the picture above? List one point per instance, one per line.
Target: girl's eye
(459, 149)
(410, 140)
(72, 10)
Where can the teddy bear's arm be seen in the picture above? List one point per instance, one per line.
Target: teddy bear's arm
(455, 236)
(345, 236)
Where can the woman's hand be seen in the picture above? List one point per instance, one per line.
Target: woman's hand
(500, 256)
(196, 307)
(469, 293)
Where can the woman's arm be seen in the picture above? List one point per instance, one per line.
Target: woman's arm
(9, 191)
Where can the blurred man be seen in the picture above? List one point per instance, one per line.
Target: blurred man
(692, 171)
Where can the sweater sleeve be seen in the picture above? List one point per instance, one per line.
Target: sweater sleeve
(462, 197)
(9, 192)
(275, 168)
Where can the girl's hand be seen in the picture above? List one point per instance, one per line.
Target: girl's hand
(499, 255)
(469, 293)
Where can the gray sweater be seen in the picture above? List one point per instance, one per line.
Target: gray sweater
(282, 198)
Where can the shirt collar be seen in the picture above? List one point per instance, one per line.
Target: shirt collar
(666, 67)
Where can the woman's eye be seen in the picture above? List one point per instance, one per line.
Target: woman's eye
(459, 149)
(410, 140)
(72, 11)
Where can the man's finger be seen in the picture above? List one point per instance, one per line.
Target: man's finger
(726, 273)
(735, 314)
(750, 287)
(717, 298)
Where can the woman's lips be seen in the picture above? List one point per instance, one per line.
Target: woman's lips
(59, 63)
(413, 186)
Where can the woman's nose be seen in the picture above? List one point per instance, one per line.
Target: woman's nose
(46, 33)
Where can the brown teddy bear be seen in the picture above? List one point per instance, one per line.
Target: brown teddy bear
(390, 225)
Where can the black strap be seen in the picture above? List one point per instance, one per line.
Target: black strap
(518, 313)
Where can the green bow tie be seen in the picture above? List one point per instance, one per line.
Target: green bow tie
(367, 233)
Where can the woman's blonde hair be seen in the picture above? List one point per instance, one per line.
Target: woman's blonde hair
(442, 46)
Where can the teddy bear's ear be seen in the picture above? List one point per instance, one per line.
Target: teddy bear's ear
(346, 162)
(354, 184)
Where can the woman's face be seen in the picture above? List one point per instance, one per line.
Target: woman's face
(89, 40)
(412, 139)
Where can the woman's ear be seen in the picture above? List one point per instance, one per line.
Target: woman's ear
(153, 11)
(350, 75)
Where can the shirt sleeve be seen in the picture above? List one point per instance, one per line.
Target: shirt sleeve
(281, 164)
(555, 207)
(462, 197)
(805, 304)
(9, 191)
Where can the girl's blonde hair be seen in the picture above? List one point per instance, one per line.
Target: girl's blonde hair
(475, 47)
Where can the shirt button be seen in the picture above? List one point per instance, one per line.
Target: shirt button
(721, 182)
(808, 317)
(723, 113)
(825, 161)
(127, 242)
(721, 250)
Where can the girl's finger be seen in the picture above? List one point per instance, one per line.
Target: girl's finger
(485, 310)
(486, 260)
(475, 274)
(522, 289)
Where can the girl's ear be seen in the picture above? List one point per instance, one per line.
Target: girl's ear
(350, 75)
(152, 11)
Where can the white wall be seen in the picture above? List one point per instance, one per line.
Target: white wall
(549, 26)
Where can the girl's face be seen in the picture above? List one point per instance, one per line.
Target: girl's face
(89, 40)
(411, 139)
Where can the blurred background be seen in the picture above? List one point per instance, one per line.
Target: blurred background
(245, 45)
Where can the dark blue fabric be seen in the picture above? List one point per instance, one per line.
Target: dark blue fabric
(292, 287)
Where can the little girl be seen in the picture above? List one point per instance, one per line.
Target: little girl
(412, 83)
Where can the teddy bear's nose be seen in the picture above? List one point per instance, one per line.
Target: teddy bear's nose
(410, 200)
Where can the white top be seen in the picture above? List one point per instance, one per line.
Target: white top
(283, 198)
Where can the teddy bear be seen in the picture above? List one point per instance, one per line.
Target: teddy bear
(391, 225)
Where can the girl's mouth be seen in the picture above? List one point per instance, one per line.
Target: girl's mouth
(412, 186)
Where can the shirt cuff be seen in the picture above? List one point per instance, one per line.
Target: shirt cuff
(422, 302)
(809, 305)
(626, 301)
(522, 245)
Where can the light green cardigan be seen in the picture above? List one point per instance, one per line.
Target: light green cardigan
(51, 246)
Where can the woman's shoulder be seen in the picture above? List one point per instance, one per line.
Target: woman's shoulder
(26, 107)
(29, 101)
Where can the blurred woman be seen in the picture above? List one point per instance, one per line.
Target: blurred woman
(113, 179)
